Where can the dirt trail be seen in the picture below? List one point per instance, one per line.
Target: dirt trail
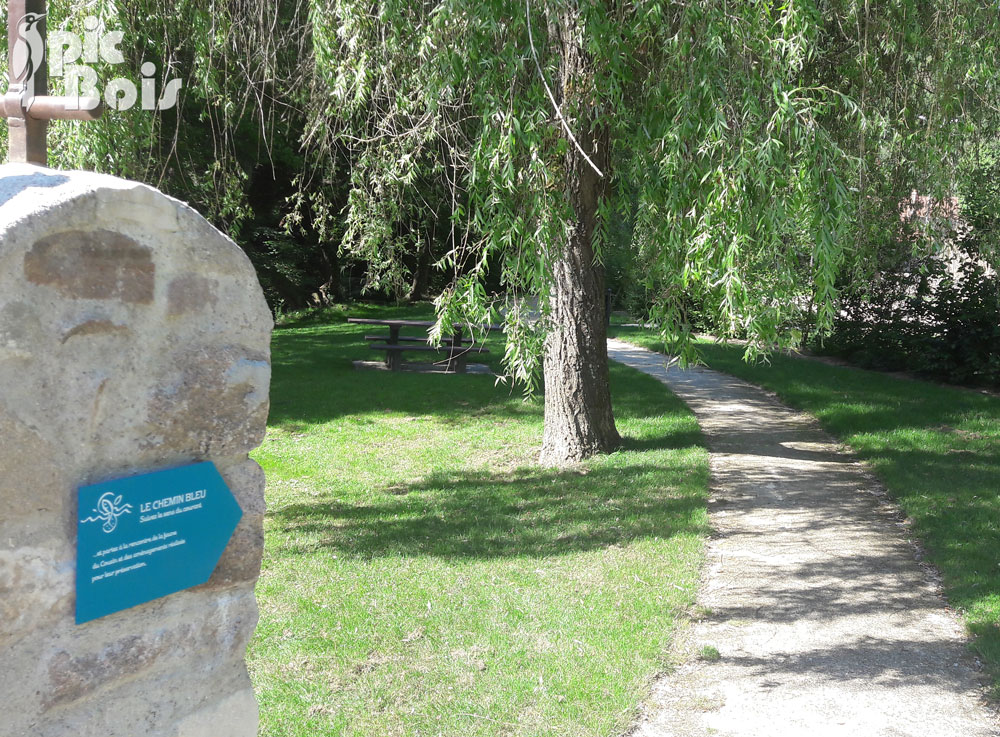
(826, 623)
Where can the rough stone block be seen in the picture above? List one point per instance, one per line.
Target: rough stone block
(133, 337)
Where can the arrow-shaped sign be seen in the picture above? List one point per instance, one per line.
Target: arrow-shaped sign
(147, 536)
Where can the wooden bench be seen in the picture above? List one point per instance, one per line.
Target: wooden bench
(457, 355)
(456, 347)
(415, 339)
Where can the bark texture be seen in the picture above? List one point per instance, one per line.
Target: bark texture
(421, 273)
(579, 421)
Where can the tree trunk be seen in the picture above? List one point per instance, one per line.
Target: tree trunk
(578, 418)
(421, 274)
(330, 291)
(579, 421)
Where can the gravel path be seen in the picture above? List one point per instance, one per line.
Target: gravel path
(825, 620)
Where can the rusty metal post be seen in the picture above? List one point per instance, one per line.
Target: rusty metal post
(27, 135)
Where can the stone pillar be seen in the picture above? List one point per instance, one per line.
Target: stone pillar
(133, 337)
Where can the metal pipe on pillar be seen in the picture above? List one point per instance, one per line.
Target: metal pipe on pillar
(27, 106)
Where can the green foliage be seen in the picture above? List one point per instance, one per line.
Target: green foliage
(236, 121)
(757, 153)
(754, 156)
(284, 265)
(709, 653)
(979, 190)
(940, 318)
(192, 150)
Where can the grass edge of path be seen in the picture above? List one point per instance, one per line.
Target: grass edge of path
(935, 449)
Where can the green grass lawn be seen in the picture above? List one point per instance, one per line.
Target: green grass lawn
(936, 449)
(422, 576)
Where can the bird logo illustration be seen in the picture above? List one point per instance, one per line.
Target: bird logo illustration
(29, 50)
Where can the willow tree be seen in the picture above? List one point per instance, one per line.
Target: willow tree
(759, 149)
(750, 144)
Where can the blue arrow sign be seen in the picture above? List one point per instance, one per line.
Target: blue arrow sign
(148, 536)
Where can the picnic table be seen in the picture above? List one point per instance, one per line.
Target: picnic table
(457, 347)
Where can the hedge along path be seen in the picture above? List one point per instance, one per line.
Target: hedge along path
(825, 622)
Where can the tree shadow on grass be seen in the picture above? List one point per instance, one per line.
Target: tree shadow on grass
(663, 441)
(530, 512)
(611, 501)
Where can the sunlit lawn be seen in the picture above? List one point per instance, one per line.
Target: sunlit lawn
(936, 449)
(422, 576)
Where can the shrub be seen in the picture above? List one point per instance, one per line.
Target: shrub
(941, 319)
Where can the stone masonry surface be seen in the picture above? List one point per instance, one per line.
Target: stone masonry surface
(133, 337)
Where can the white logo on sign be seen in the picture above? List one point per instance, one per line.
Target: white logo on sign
(73, 58)
(109, 508)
